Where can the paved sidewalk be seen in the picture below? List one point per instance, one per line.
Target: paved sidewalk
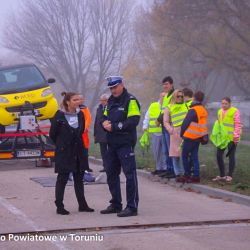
(26, 206)
(199, 188)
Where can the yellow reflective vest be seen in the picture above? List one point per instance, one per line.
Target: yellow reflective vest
(154, 112)
(166, 101)
(188, 103)
(228, 121)
(177, 113)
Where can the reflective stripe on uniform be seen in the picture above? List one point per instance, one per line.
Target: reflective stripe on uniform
(105, 111)
(152, 126)
(133, 108)
(177, 121)
(195, 124)
(196, 132)
(182, 113)
(228, 125)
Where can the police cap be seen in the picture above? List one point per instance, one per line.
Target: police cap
(114, 80)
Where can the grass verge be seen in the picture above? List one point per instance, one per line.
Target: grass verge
(208, 166)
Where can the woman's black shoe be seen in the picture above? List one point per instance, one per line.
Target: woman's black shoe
(62, 211)
(86, 209)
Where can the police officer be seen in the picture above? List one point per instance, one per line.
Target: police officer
(120, 119)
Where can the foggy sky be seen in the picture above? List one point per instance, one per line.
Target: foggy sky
(10, 6)
(6, 7)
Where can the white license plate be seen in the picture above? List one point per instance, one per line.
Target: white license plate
(28, 153)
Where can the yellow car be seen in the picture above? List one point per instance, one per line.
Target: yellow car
(20, 84)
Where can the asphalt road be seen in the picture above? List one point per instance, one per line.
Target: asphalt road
(169, 218)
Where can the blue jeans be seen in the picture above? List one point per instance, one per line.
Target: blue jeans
(159, 154)
(178, 170)
(190, 150)
(166, 145)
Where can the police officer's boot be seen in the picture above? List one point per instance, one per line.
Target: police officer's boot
(127, 212)
(111, 210)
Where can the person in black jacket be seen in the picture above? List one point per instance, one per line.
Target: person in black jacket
(120, 120)
(70, 154)
(100, 135)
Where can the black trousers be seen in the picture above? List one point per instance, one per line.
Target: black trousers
(103, 150)
(117, 158)
(220, 155)
(62, 179)
(87, 160)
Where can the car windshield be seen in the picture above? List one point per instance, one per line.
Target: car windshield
(21, 79)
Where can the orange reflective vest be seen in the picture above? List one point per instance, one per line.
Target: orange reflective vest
(198, 129)
(85, 135)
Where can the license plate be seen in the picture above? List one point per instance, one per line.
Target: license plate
(28, 153)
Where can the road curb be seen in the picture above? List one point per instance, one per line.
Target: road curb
(215, 193)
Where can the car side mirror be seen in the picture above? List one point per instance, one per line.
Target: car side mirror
(51, 80)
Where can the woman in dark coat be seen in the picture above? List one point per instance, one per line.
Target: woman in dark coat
(70, 155)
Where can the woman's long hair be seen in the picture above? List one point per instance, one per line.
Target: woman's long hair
(66, 98)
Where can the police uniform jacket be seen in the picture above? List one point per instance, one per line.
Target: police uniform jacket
(124, 114)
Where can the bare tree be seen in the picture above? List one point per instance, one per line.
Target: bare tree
(197, 41)
(218, 32)
(110, 31)
(79, 41)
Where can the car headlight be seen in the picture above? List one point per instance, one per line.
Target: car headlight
(46, 92)
(3, 99)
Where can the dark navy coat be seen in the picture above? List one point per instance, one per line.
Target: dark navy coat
(70, 153)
